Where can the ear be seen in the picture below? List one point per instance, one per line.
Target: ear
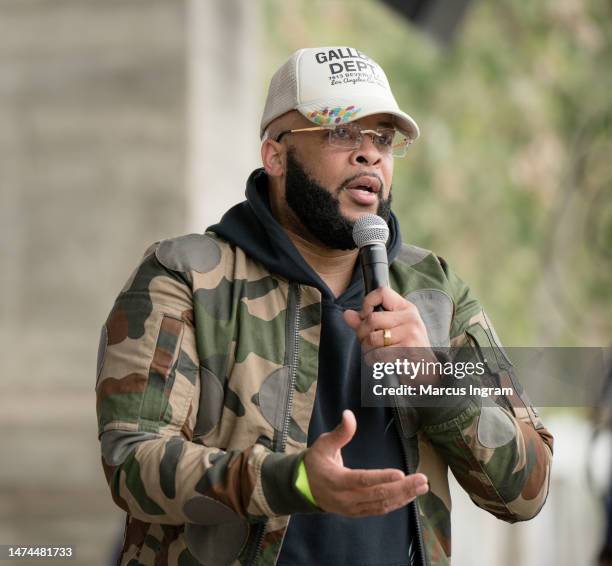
(273, 157)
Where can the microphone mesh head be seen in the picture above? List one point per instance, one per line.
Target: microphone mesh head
(370, 229)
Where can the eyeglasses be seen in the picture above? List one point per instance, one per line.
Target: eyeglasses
(350, 136)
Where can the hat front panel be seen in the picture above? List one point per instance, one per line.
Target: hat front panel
(340, 73)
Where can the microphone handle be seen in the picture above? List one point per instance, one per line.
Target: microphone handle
(375, 268)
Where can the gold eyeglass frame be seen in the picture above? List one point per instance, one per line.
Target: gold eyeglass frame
(370, 132)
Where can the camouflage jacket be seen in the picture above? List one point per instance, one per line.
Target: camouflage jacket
(208, 361)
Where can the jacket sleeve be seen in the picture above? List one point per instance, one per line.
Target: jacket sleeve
(148, 391)
(499, 451)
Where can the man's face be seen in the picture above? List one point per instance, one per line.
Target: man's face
(328, 188)
(319, 209)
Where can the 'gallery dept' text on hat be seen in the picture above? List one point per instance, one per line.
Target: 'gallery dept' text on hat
(333, 85)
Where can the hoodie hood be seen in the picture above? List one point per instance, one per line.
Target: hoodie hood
(251, 226)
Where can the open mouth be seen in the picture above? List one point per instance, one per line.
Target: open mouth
(364, 190)
(365, 183)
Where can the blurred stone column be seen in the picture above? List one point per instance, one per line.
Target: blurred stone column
(224, 105)
(92, 171)
(108, 112)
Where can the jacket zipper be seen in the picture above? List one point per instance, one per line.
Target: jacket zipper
(293, 364)
(414, 512)
(293, 308)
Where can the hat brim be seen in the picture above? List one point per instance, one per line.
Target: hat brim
(330, 112)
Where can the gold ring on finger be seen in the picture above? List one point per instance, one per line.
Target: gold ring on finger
(386, 337)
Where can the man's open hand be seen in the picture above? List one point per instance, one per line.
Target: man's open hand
(356, 493)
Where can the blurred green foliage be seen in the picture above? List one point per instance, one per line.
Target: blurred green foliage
(511, 179)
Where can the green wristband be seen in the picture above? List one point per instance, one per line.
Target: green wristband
(301, 483)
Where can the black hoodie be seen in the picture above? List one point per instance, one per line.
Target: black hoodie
(324, 539)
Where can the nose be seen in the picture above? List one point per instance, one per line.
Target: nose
(368, 153)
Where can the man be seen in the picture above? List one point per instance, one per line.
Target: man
(229, 359)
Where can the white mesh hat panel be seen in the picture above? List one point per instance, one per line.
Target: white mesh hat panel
(282, 93)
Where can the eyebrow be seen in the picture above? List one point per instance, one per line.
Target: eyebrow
(386, 124)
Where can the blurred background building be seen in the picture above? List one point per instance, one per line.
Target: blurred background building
(126, 122)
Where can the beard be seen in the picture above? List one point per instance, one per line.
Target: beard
(319, 209)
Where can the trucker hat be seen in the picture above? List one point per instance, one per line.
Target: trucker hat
(333, 85)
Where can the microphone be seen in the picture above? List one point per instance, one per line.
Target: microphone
(370, 234)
